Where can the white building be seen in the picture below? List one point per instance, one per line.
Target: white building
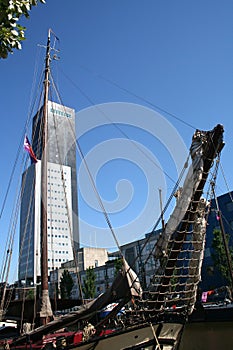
(85, 257)
(139, 255)
(62, 215)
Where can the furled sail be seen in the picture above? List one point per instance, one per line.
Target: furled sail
(125, 286)
(180, 247)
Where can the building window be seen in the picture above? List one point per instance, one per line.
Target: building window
(229, 206)
(207, 253)
(96, 263)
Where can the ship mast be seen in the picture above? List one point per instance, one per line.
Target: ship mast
(45, 312)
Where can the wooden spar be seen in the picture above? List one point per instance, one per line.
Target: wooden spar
(212, 148)
(161, 209)
(45, 307)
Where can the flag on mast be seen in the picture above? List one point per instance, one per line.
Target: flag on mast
(28, 148)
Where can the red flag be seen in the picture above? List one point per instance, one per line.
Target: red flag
(28, 148)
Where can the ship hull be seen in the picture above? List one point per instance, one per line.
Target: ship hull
(209, 327)
(207, 336)
(149, 336)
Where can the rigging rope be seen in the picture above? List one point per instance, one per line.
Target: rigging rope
(10, 240)
(176, 183)
(98, 108)
(226, 183)
(93, 183)
(66, 199)
(137, 96)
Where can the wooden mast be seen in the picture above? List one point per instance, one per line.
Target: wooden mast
(45, 306)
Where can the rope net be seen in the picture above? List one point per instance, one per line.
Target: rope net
(180, 247)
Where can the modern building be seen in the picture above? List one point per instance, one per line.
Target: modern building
(211, 278)
(62, 205)
(85, 257)
(139, 255)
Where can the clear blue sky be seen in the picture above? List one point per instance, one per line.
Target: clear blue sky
(176, 54)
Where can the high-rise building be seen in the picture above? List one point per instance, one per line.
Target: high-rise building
(62, 204)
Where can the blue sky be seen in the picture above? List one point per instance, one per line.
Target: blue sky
(178, 55)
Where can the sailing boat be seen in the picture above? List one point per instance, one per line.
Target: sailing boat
(159, 314)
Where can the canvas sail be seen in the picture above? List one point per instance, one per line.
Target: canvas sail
(125, 286)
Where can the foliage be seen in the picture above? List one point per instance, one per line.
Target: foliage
(174, 280)
(66, 284)
(117, 265)
(30, 294)
(219, 254)
(11, 32)
(89, 283)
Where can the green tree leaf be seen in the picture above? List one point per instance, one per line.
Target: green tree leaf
(11, 32)
(118, 265)
(66, 284)
(89, 284)
(219, 254)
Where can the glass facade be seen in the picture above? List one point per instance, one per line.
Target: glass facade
(62, 206)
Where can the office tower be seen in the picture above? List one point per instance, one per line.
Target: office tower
(62, 207)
